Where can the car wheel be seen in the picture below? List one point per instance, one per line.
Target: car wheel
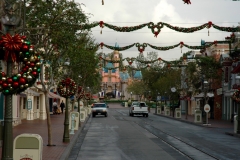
(93, 115)
(133, 114)
(146, 115)
(106, 115)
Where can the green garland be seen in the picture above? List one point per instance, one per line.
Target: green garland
(116, 48)
(164, 48)
(186, 30)
(141, 47)
(125, 29)
(157, 28)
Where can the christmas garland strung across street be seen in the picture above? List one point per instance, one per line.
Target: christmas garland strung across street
(156, 28)
(174, 63)
(236, 96)
(18, 50)
(67, 88)
(141, 47)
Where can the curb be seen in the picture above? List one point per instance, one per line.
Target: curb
(68, 149)
(197, 124)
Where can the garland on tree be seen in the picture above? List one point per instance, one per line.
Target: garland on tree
(156, 28)
(67, 88)
(18, 50)
(80, 92)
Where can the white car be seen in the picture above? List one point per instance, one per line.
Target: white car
(138, 108)
(99, 109)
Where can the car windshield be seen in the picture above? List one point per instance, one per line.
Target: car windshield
(99, 105)
(135, 103)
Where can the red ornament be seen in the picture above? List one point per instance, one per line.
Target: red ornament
(15, 84)
(4, 85)
(22, 80)
(25, 47)
(1, 82)
(9, 80)
(32, 64)
(3, 74)
(34, 73)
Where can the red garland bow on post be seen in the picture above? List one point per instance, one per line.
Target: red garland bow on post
(101, 24)
(187, 1)
(12, 45)
(101, 45)
(181, 45)
(209, 26)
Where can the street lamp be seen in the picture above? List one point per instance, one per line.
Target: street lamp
(206, 87)
(157, 99)
(66, 120)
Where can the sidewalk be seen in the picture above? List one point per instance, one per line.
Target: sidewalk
(227, 126)
(61, 150)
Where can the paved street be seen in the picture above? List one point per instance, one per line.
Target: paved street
(121, 137)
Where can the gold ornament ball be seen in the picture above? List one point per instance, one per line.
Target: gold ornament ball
(26, 85)
(21, 86)
(28, 62)
(25, 59)
(29, 78)
(19, 75)
(38, 64)
(32, 59)
(11, 88)
(9, 85)
(35, 68)
(29, 69)
(4, 79)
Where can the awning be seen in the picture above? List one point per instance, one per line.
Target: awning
(236, 69)
(53, 95)
(201, 95)
(29, 92)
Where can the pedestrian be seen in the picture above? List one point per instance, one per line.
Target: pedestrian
(55, 107)
(62, 105)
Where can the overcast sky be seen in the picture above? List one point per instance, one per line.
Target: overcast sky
(175, 12)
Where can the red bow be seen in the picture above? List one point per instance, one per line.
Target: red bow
(12, 45)
(187, 1)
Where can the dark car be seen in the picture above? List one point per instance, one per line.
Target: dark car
(99, 109)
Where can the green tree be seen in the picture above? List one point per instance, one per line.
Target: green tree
(52, 26)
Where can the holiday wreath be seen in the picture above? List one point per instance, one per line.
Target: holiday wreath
(16, 49)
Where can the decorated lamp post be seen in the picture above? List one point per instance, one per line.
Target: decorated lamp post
(15, 49)
(66, 88)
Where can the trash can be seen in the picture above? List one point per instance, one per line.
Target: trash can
(235, 123)
(232, 117)
(28, 146)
